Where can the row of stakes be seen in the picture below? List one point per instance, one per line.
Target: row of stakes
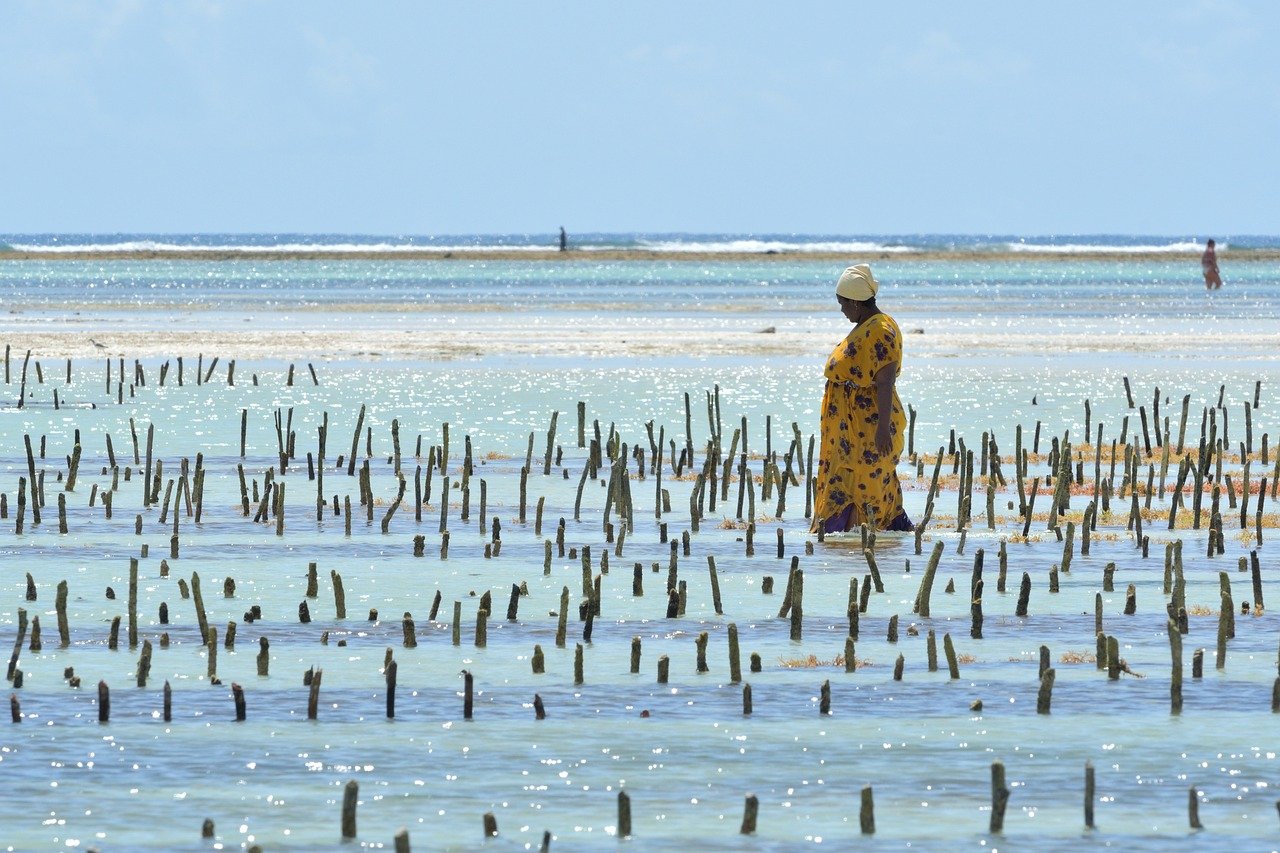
(1208, 445)
(1000, 794)
(1107, 657)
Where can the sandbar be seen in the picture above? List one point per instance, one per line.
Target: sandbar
(598, 255)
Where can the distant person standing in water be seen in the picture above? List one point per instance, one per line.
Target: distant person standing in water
(1209, 266)
(564, 240)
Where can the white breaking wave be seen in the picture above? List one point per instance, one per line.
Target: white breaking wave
(282, 248)
(1078, 248)
(762, 246)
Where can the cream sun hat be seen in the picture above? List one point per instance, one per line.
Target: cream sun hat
(857, 283)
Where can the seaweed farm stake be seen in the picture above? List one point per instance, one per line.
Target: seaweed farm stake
(1045, 695)
(975, 612)
(797, 597)
(953, 664)
(1175, 681)
(350, 796)
(538, 661)
(1088, 790)
(624, 815)
(926, 583)
(144, 664)
(1024, 595)
(750, 814)
(64, 631)
(339, 595)
(999, 796)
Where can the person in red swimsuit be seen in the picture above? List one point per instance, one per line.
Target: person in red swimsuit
(1209, 266)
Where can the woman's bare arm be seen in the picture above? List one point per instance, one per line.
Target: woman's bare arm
(885, 378)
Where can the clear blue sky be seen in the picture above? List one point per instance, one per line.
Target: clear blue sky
(496, 117)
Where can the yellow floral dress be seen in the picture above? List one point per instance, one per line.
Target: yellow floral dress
(856, 485)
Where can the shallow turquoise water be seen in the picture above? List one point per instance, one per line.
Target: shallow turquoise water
(276, 779)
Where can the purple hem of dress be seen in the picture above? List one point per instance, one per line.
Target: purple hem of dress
(844, 521)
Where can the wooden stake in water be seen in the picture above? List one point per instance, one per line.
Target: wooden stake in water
(562, 624)
(715, 584)
(999, 796)
(926, 583)
(1114, 664)
(350, 797)
(144, 664)
(953, 663)
(1024, 595)
(538, 661)
(735, 666)
(60, 604)
(133, 603)
(339, 595)
(313, 696)
(624, 815)
(1088, 794)
(1045, 695)
(1225, 616)
(237, 697)
(750, 813)
(867, 812)
(975, 612)
(797, 605)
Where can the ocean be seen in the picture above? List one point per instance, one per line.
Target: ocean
(478, 357)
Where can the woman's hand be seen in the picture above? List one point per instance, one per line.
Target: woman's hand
(884, 437)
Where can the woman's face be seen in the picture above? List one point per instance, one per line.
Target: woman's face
(851, 309)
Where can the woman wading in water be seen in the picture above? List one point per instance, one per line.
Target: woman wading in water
(862, 419)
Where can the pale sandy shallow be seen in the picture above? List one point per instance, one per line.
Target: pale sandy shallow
(507, 341)
(593, 255)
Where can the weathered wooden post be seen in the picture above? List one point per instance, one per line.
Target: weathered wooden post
(867, 812)
(999, 796)
(391, 671)
(1045, 696)
(624, 815)
(313, 696)
(750, 814)
(350, 797)
(1175, 681)
(953, 664)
